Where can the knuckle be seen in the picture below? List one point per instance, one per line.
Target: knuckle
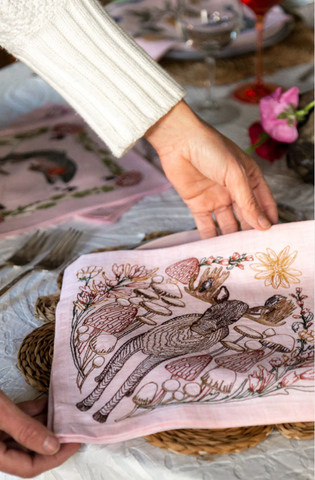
(251, 202)
(27, 434)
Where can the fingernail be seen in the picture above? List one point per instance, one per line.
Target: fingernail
(263, 222)
(51, 444)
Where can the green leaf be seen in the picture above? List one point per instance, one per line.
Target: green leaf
(46, 205)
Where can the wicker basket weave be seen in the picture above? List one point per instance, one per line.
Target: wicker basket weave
(35, 359)
(35, 356)
(210, 442)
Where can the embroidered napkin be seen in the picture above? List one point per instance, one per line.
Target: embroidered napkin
(213, 334)
(53, 165)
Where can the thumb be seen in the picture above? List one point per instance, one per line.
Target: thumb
(26, 430)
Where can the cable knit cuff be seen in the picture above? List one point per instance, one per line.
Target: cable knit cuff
(110, 81)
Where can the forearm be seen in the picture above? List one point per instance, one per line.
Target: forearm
(74, 45)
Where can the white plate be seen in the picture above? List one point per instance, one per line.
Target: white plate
(172, 240)
(157, 19)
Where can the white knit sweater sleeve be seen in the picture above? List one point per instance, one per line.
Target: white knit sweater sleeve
(77, 48)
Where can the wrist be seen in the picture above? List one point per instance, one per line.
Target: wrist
(173, 128)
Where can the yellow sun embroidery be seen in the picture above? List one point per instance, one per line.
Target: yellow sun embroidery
(275, 269)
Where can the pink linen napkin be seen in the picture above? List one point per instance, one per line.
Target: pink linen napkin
(213, 334)
(52, 165)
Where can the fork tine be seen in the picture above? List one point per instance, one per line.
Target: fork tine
(35, 245)
(28, 244)
(61, 251)
(68, 247)
(57, 247)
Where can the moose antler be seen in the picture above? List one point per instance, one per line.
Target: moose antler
(271, 316)
(208, 285)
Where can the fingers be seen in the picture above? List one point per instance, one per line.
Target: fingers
(266, 201)
(226, 219)
(19, 463)
(33, 407)
(205, 224)
(244, 197)
(24, 429)
(244, 225)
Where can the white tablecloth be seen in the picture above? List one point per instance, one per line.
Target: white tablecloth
(276, 458)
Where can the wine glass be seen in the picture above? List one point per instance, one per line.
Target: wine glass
(254, 91)
(209, 25)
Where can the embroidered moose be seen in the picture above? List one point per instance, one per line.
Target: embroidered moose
(182, 335)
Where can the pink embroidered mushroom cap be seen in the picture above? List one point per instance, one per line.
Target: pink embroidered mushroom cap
(188, 368)
(111, 318)
(183, 270)
(240, 362)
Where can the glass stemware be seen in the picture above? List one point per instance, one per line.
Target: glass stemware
(254, 91)
(209, 25)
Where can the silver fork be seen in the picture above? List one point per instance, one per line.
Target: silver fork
(27, 252)
(54, 259)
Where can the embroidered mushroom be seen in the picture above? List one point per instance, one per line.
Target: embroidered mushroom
(219, 379)
(143, 398)
(184, 270)
(244, 361)
(169, 289)
(188, 368)
(152, 309)
(192, 389)
(97, 362)
(232, 346)
(248, 332)
(111, 318)
(244, 331)
(103, 343)
(147, 293)
(145, 395)
(278, 343)
(174, 302)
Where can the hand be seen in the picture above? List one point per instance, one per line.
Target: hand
(212, 174)
(22, 433)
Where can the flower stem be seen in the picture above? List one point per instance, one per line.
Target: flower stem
(301, 114)
(263, 137)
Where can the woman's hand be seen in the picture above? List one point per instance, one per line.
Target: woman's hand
(27, 447)
(212, 174)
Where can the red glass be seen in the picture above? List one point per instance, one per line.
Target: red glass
(254, 92)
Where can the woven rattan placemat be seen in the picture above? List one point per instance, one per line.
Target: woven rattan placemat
(296, 49)
(35, 358)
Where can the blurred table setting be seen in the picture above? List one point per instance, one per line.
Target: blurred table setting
(129, 201)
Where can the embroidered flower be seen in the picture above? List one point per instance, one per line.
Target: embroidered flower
(88, 272)
(275, 269)
(210, 260)
(260, 379)
(289, 379)
(307, 336)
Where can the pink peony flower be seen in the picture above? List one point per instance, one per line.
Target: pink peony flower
(277, 113)
(239, 265)
(249, 258)
(235, 256)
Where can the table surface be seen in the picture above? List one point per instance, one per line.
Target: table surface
(276, 458)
